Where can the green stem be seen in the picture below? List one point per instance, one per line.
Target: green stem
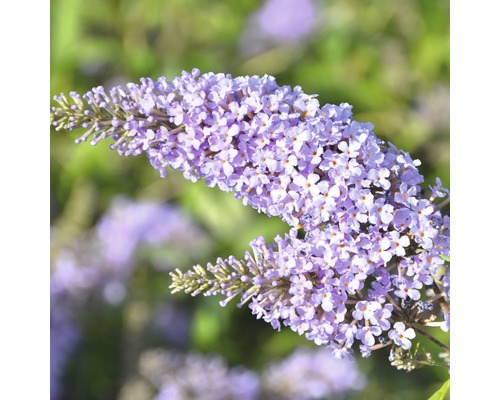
(431, 338)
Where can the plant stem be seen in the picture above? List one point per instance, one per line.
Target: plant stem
(430, 337)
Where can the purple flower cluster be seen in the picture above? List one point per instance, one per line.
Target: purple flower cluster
(334, 292)
(273, 146)
(367, 242)
(304, 375)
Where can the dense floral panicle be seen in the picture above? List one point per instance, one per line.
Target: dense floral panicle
(374, 238)
(333, 287)
(273, 146)
(195, 376)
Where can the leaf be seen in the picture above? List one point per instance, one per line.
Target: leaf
(446, 258)
(441, 392)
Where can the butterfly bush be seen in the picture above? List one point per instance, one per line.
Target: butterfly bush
(366, 259)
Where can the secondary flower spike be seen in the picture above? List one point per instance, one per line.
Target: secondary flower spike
(375, 242)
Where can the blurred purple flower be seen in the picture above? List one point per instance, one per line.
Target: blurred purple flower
(304, 375)
(184, 376)
(280, 22)
(129, 224)
(311, 374)
(287, 19)
(102, 261)
(100, 264)
(64, 337)
(173, 321)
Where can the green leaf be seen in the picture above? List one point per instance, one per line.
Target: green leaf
(441, 392)
(446, 258)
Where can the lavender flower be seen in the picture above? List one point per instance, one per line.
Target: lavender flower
(372, 236)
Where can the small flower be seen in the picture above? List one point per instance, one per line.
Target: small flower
(367, 334)
(438, 190)
(402, 336)
(407, 288)
(381, 317)
(379, 177)
(399, 243)
(365, 310)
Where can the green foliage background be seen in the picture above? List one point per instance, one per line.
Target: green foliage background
(389, 59)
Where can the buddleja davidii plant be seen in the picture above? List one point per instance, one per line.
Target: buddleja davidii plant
(364, 261)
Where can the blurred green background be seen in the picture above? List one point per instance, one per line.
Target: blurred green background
(389, 59)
